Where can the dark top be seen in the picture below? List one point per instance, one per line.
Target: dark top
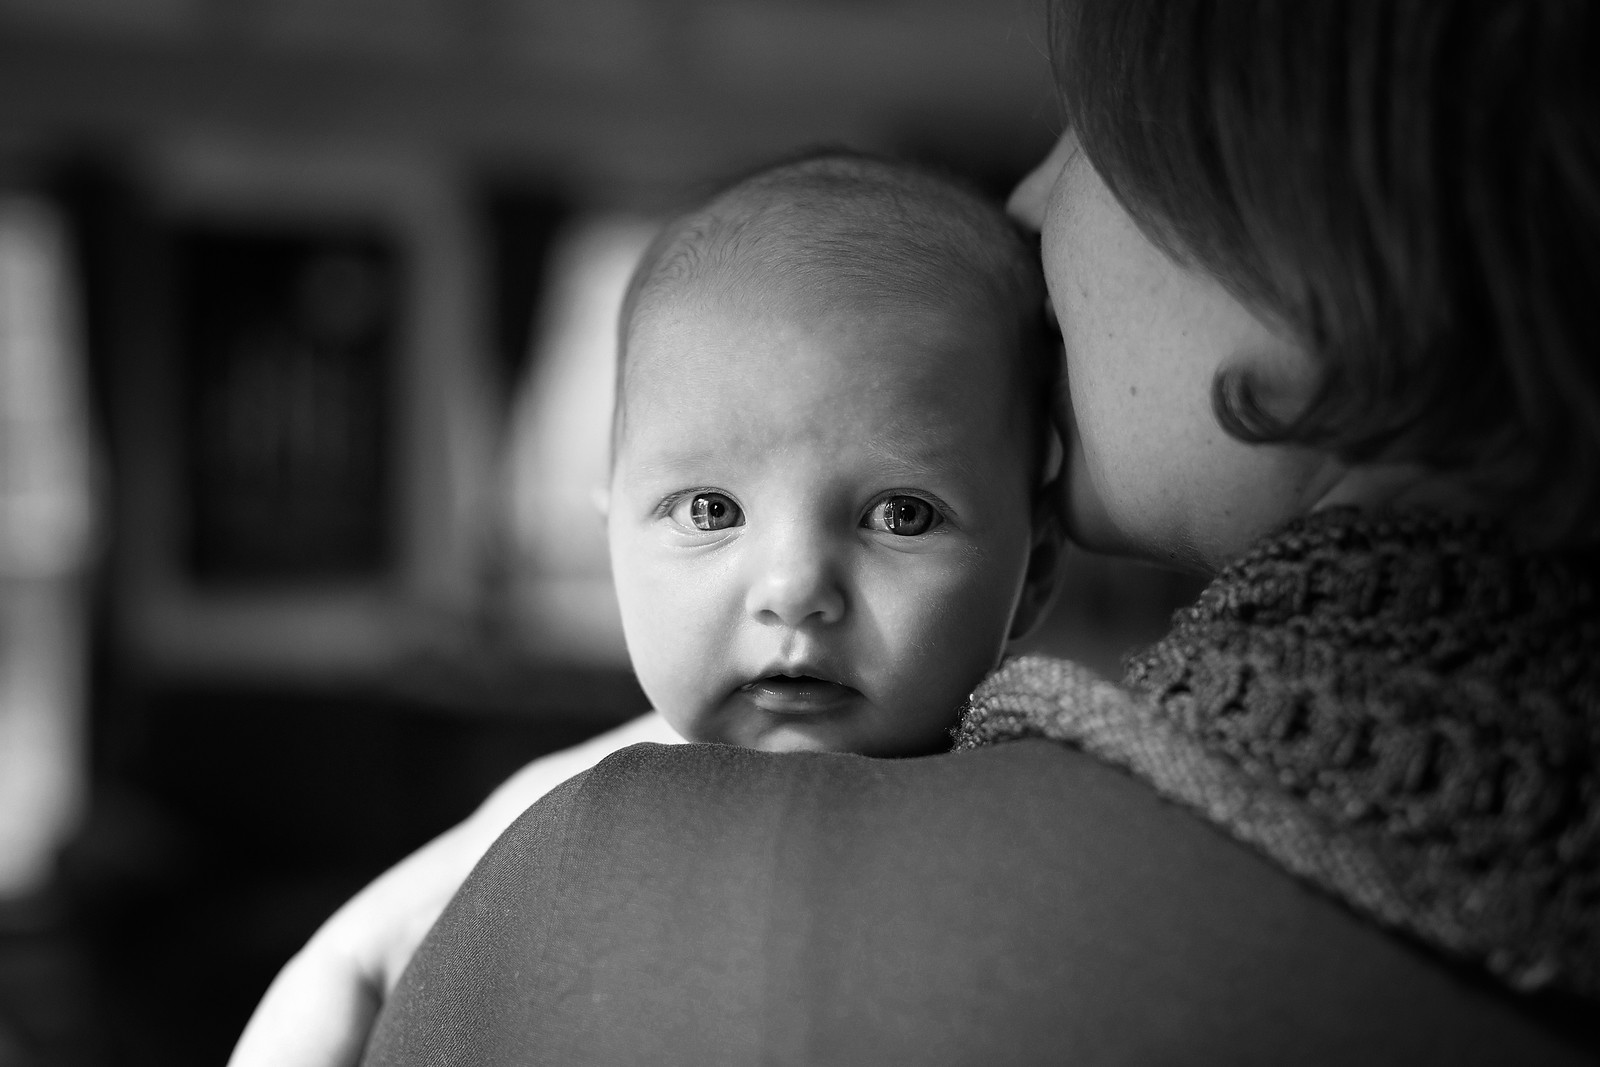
(1021, 903)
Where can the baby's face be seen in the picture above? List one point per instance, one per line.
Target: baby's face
(819, 531)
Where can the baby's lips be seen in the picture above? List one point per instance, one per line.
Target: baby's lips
(798, 695)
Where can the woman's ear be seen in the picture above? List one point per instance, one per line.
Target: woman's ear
(1044, 565)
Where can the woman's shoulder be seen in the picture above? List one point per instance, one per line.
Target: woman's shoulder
(1019, 903)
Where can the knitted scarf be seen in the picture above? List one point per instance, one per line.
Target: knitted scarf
(1402, 710)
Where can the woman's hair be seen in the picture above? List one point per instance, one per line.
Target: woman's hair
(1411, 188)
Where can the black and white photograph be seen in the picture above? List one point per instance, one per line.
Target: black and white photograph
(893, 533)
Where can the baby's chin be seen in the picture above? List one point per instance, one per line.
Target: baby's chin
(795, 741)
(757, 731)
(785, 716)
(781, 737)
(855, 725)
(833, 737)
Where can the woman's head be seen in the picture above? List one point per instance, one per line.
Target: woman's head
(1382, 223)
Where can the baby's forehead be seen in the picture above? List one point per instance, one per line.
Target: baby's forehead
(753, 362)
(688, 322)
(763, 362)
(941, 266)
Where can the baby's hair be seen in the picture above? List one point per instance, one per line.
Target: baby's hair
(840, 229)
(1411, 189)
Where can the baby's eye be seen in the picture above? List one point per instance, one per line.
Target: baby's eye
(904, 516)
(711, 511)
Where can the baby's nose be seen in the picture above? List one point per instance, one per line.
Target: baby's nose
(796, 583)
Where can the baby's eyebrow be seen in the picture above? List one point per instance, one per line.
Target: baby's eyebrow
(674, 461)
(925, 455)
(908, 455)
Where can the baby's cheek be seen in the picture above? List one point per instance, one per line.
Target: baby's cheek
(961, 626)
(648, 617)
(663, 650)
(668, 674)
(679, 643)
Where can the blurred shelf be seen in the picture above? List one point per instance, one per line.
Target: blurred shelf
(633, 96)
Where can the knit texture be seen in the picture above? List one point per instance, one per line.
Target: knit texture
(1403, 710)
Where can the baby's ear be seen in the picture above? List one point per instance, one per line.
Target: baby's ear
(1044, 565)
(600, 497)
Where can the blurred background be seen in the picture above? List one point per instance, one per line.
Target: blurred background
(305, 338)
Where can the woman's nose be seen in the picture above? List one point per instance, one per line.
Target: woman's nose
(1029, 199)
(796, 582)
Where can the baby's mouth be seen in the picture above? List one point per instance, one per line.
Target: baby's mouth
(799, 694)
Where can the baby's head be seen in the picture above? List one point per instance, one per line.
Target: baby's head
(831, 435)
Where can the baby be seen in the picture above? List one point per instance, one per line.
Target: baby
(826, 513)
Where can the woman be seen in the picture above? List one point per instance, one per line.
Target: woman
(1325, 276)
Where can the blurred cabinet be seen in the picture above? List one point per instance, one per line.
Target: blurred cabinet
(301, 393)
(287, 361)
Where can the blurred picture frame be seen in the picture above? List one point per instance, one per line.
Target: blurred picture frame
(302, 411)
